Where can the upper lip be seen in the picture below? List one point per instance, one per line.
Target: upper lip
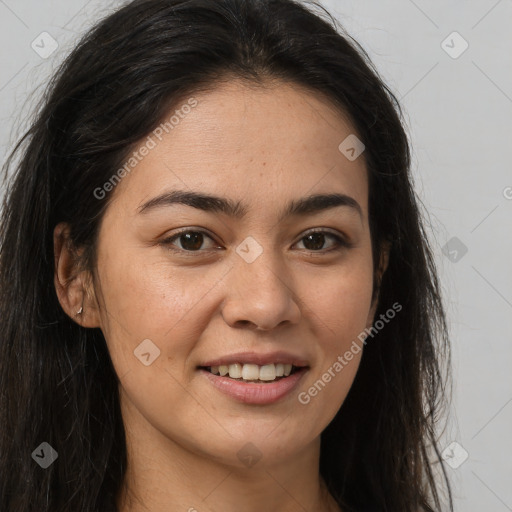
(257, 358)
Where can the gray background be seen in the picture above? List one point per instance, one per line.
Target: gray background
(459, 116)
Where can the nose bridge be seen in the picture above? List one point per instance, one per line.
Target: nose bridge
(259, 292)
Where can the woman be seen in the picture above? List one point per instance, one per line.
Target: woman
(174, 336)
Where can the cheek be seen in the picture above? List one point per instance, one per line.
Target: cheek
(343, 302)
(150, 300)
(342, 313)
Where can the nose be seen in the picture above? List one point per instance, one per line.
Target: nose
(260, 294)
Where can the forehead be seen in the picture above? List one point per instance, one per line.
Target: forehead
(259, 142)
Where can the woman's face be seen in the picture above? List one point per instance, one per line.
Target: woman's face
(253, 289)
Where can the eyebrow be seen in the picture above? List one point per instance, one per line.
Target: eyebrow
(210, 203)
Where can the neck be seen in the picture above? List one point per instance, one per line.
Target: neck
(164, 475)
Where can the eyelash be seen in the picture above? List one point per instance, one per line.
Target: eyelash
(341, 243)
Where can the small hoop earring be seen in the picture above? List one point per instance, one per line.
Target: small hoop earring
(79, 312)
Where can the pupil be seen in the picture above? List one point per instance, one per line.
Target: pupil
(194, 237)
(315, 236)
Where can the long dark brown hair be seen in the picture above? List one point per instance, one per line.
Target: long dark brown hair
(57, 382)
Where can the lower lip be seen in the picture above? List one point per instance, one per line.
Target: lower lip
(253, 393)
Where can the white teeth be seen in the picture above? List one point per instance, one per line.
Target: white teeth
(235, 371)
(267, 372)
(252, 372)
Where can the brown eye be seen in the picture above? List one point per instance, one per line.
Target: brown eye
(190, 241)
(315, 240)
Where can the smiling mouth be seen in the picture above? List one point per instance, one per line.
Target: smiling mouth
(252, 372)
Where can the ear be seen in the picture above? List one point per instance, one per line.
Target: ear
(385, 249)
(73, 286)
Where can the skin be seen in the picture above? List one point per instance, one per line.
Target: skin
(263, 146)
